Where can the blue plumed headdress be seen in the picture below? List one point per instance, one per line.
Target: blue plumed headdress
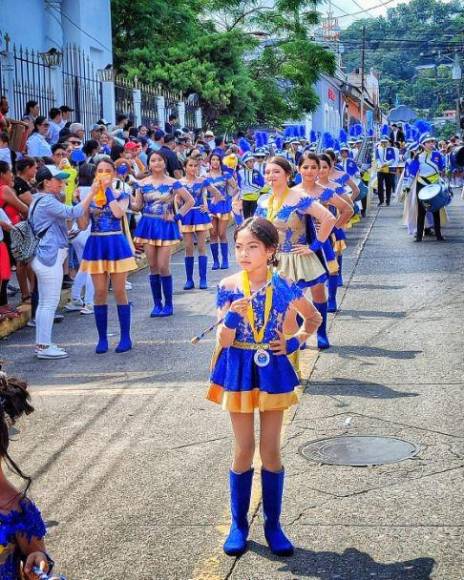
(356, 130)
(343, 136)
(385, 131)
(313, 136)
(244, 145)
(327, 141)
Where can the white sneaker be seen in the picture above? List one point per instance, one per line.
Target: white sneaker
(128, 285)
(74, 305)
(37, 349)
(88, 309)
(52, 352)
(31, 323)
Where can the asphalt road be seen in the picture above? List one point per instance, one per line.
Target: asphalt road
(130, 462)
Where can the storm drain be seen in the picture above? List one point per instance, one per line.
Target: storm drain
(359, 450)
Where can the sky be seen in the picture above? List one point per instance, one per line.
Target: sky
(343, 8)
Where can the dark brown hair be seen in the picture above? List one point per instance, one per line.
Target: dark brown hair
(331, 154)
(309, 155)
(282, 163)
(263, 230)
(326, 158)
(14, 403)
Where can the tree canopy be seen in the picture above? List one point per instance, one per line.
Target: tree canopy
(412, 48)
(251, 64)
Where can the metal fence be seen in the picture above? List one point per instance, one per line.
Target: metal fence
(82, 90)
(191, 105)
(124, 98)
(149, 105)
(32, 81)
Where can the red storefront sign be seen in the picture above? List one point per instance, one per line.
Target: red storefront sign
(331, 95)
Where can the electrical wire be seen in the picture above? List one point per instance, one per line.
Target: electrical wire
(381, 5)
(63, 14)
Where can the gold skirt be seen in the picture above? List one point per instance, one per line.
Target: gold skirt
(296, 267)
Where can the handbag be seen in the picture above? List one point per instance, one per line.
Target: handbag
(24, 240)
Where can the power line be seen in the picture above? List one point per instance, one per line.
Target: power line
(381, 5)
(62, 13)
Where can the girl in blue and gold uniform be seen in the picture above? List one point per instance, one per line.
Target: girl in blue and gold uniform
(338, 236)
(158, 229)
(197, 221)
(222, 179)
(251, 370)
(107, 253)
(308, 167)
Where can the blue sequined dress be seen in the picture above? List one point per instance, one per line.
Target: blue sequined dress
(157, 226)
(339, 235)
(222, 209)
(107, 250)
(196, 220)
(237, 383)
(26, 520)
(290, 222)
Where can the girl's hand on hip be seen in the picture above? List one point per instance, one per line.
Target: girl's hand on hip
(301, 250)
(279, 346)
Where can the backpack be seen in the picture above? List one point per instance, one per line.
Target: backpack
(23, 239)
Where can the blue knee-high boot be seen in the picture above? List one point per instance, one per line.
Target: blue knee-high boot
(215, 253)
(332, 302)
(203, 268)
(101, 320)
(340, 265)
(155, 284)
(225, 255)
(166, 282)
(189, 272)
(322, 338)
(273, 489)
(124, 315)
(240, 493)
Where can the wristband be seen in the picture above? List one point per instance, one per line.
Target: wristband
(292, 344)
(316, 245)
(109, 195)
(232, 320)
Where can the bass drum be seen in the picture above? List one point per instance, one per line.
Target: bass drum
(434, 196)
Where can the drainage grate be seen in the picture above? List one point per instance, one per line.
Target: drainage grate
(359, 450)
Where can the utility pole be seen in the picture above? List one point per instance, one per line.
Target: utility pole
(363, 64)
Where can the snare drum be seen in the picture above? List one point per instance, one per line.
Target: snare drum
(434, 196)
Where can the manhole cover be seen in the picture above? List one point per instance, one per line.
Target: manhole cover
(359, 450)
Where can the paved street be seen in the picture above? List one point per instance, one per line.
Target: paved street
(130, 462)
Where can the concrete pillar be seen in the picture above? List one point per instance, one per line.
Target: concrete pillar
(56, 77)
(198, 118)
(108, 101)
(7, 64)
(161, 110)
(137, 98)
(181, 113)
(308, 123)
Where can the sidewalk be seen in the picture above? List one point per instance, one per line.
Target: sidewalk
(395, 370)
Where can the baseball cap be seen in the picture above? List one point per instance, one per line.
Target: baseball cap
(130, 146)
(103, 122)
(159, 134)
(209, 134)
(50, 172)
(97, 127)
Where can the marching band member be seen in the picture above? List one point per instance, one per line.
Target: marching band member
(308, 168)
(338, 236)
(250, 183)
(223, 180)
(107, 254)
(427, 167)
(386, 158)
(158, 227)
(251, 370)
(197, 221)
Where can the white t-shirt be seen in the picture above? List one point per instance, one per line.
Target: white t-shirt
(5, 155)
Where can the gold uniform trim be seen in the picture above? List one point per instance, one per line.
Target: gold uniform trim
(108, 266)
(106, 233)
(157, 243)
(248, 401)
(196, 228)
(223, 217)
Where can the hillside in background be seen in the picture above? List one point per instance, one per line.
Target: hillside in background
(413, 48)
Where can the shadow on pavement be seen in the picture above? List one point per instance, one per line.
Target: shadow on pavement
(350, 565)
(371, 314)
(348, 388)
(348, 351)
(375, 287)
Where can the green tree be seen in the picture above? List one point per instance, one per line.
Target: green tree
(409, 36)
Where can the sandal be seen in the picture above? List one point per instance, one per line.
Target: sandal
(26, 300)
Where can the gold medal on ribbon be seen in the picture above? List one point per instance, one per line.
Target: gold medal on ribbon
(261, 357)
